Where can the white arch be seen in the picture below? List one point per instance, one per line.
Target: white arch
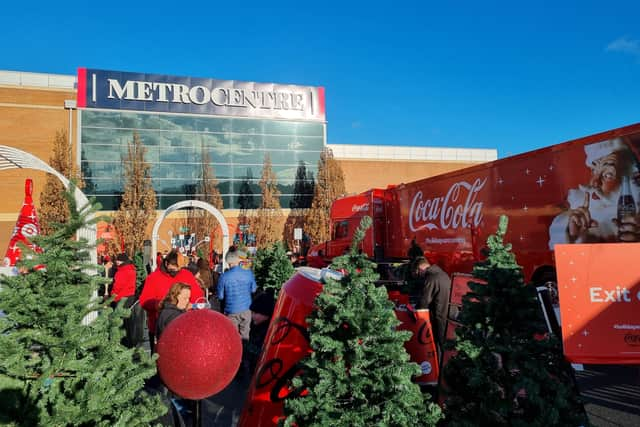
(190, 204)
(12, 158)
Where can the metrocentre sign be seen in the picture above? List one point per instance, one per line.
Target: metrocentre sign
(160, 93)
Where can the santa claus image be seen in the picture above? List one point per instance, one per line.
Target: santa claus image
(603, 210)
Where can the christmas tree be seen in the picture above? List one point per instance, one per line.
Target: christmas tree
(272, 268)
(57, 366)
(358, 373)
(508, 370)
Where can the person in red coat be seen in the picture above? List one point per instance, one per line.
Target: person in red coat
(158, 284)
(124, 281)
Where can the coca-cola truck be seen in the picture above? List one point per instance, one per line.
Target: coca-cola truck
(581, 191)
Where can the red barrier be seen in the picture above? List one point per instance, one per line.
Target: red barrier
(421, 347)
(286, 343)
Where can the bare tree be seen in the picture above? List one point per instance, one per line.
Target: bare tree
(268, 220)
(201, 222)
(138, 206)
(329, 186)
(53, 205)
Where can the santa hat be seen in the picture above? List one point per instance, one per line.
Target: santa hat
(603, 148)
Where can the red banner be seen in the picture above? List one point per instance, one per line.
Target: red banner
(599, 288)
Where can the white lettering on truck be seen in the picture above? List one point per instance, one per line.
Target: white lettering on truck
(450, 211)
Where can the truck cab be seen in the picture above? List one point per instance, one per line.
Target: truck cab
(346, 214)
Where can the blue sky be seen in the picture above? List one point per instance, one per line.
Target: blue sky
(514, 76)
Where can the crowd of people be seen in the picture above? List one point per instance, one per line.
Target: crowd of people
(171, 290)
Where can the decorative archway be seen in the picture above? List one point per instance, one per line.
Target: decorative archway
(12, 158)
(190, 204)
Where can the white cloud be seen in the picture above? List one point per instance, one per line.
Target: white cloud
(357, 124)
(625, 45)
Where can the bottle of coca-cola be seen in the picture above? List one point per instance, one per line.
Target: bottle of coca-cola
(626, 202)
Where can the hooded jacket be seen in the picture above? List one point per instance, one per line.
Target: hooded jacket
(124, 282)
(156, 287)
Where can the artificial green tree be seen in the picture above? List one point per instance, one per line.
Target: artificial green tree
(358, 373)
(272, 268)
(508, 370)
(61, 361)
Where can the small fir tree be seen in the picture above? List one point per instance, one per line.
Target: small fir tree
(138, 205)
(272, 268)
(359, 373)
(329, 186)
(58, 368)
(141, 271)
(53, 205)
(508, 370)
(267, 224)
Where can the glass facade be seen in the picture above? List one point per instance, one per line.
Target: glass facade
(175, 144)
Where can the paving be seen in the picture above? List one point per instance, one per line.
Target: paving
(611, 394)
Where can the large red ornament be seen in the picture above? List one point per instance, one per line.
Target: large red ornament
(199, 354)
(26, 227)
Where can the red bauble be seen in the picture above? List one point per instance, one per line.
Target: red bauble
(199, 354)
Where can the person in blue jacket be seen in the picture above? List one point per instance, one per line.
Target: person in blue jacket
(235, 288)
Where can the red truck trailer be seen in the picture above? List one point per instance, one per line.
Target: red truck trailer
(581, 191)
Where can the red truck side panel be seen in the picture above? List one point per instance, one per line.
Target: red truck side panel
(452, 215)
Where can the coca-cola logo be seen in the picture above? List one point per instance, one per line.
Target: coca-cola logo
(360, 208)
(632, 339)
(451, 211)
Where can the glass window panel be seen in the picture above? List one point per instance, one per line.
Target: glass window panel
(274, 127)
(248, 157)
(99, 118)
(310, 129)
(176, 170)
(109, 203)
(235, 146)
(216, 125)
(248, 126)
(164, 122)
(246, 142)
(221, 171)
(249, 201)
(279, 142)
(102, 153)
(184, 123)
(92, 136)
(246, 171)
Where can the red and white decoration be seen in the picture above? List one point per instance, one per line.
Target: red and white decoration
(26, 227)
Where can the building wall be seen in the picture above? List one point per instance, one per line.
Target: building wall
(361, 175)
(29, 119)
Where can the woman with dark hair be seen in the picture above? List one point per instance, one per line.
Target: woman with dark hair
(174, 304)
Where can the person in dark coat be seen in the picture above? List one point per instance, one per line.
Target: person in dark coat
(261, 311)
(434, 295)
(415, 251)
(173, 305)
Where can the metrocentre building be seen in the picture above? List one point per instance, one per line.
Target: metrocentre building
(183, 121)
